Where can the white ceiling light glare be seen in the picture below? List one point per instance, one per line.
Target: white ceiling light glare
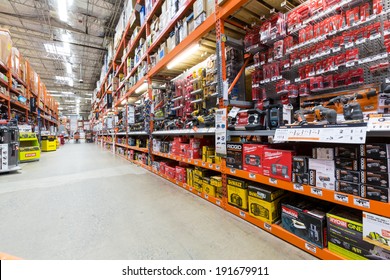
(62, 10)
(142, 88)
(64, 80)
(57, 50)
(183, 56)
(68, 68)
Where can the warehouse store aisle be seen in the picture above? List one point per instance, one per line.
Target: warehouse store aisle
(82, 202)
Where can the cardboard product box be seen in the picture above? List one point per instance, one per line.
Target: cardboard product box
(300, 164)
(375, 179)
(194, 153)
(198, 186)
(207, 152)
(190, 176)
(377, 151)
(183, 149)
(348, 176)
(324, 173)
(199, 7)
(5, 45)
(199, 19)
(265, 210)
(351, 152)
(264, 192)
(156, 166)
(278, 163)
(323, 153)
(252, 157)
(190, 23)
(376, 230)
(345, 236)
(210, 159)
(375, 165)
(306, 218)
(216, 181)
(207, 187)
(170, 172)
(375, 193)
(237, 191)
(301, 178)
(181, 174)
(348, 187)
(345, 163)
(234, 156)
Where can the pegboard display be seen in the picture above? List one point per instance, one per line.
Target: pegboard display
(315, 50)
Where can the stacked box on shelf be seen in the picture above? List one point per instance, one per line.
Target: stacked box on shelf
(237, 191)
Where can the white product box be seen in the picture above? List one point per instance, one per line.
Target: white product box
(324, 171)
(376, 230)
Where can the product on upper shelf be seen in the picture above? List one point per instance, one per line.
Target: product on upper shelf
(253, 154)
(234, 155)
(322, 173)
(278, 163)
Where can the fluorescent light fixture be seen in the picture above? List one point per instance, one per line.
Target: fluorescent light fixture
(62, 10)
(183, 56)
(64, 80)
(88, 94)
(70, 101)
(142, 88)
(68, 68)
(60, 108)
(57, 50)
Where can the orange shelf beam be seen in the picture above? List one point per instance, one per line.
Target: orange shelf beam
(348, 200)
(280, 232)
(4, 97)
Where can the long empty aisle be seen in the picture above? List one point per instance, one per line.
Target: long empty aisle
(82, 202)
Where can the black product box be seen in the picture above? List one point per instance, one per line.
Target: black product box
(300, 178)
(345, 236)
(375, 193)
(348, 164)
(375, 165)
(300, 164)
(348, 176)
(375, 179)
(234, 155)
(164, 147)
(348, 187)
(352, 152)
(265, 192)
(306, 218)
(377, 150)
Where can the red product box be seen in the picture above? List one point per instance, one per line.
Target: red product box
(278, 50)
(326, 26)
(377, 6)
(181, 174)
(361, 34)
(339, 59)
(288, 42)
(293, 57)
(170, 172)
(336, 23)
(285, 64)
(194, 153)
(316, 83)
(267, 72)
(351, 55)
(329, 3)
(270, 54)
(328, 81)
(316, 6)
(263, 58)
(281, 87)
(277, 163)
(320, 67)
(341, 80)
(374, 29)
(257, 76)
(302, 73)
(338, 42)
(356, 76)
(162, 167)
(317, 30)
(292, 91)
(327, 45)
(183, 149)
(292, 20)
(256, 58)
(275, 69)
(252, 156)
(365, 11)
(352, 16)
(303, 12)
(349, 37)
(195, 143)
(310, 70)
(304, 90)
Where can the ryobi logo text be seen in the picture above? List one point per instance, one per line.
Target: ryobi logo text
(338, 222)
(235, 147)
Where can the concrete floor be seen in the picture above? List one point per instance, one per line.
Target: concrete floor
(82, 202)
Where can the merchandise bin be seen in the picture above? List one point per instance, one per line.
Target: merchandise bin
(49, 143)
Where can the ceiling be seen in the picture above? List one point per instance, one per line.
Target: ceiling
(71, 47)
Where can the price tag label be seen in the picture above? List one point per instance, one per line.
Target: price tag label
(232, 170)
(297, 80)
(316, 191)
(191, 189)
(375, 36)
(217, 167)
(199, 193)
(304, 59)
(372, 17)
(311, 74)
(361, 41)
(361, 202)
(274, 79)
(242, 214)
(189, 160)
(177, 182)
(206, 196)
(196, 162)
(350, 64)
(326, 52)
(203, 164)
(270, 60)
(267, 226)
(252, 176)
(297, 61)
(341, 197)
(298, 187)
(218, 202)
(349, 45)
(273, 181)
(320, 71)
(337, 49)
(311, 247)
(210, 165)
(262, 63)
(287, 82)
(266, 80)
(286, 66)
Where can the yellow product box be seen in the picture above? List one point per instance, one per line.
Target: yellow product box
(237, 192)
(264, 210)
(201, 172)
(217, 159)
(210, 159)
(208, 189)
(216, 181)
(198, 186)
(190, 181)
